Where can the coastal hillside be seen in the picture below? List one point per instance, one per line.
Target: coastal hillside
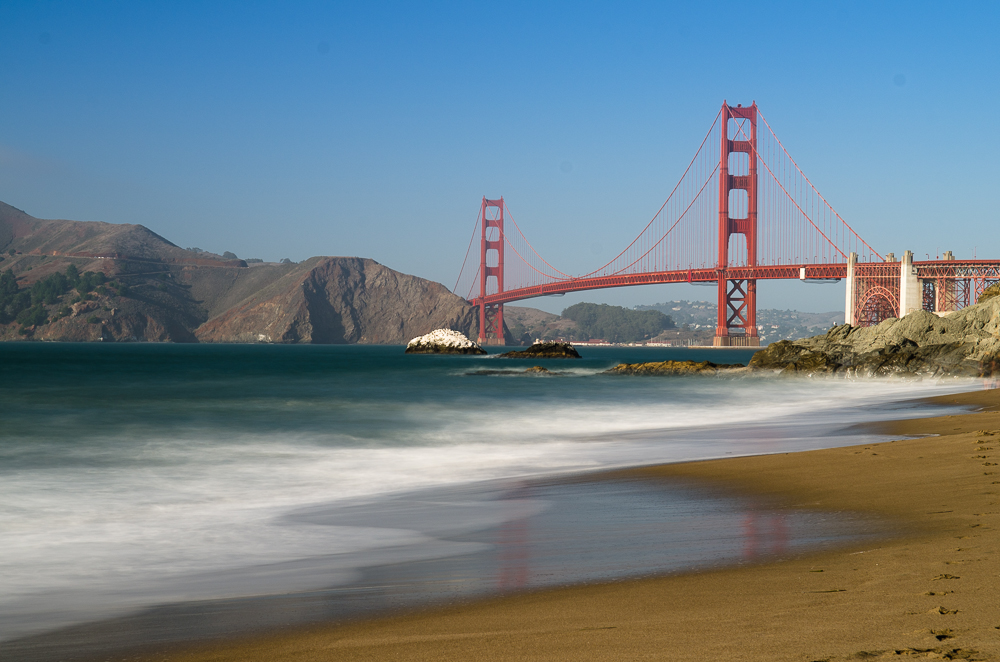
(28, 235)
(773, 324)
(91, 281)
(339, 300)
(587, 321)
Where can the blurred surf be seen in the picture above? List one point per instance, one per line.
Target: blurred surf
(134, 475)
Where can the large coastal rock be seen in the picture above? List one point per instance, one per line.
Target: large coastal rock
(443, 341)
(963, 343)
(675, 368)
(545, 350)
(990, 292)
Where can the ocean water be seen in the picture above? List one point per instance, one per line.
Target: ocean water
(143, 475)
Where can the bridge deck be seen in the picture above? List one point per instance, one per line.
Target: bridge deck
(931, 269)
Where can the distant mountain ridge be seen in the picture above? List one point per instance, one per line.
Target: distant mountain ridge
(158, 291)
(27, 234)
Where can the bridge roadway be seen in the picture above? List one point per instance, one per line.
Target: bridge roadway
(926, 270)
(708, 275)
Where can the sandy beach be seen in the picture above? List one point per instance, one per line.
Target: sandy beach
(930, 591)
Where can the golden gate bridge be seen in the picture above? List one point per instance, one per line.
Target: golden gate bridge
(743, 211)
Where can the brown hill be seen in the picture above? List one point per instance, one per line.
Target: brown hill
(35, 236)
(341, 300)
(528, 324)
(157, 291)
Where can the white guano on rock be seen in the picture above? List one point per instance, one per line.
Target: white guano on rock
(443, 341)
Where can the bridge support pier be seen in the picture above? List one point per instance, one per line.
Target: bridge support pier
(849, 305)
(911, 293)
(491, 324)
(737, 325)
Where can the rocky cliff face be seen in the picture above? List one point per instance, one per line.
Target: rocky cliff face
(342, 300)
(963, 343)
(157, 291)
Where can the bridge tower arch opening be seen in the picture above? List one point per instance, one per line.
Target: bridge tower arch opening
(737, 322)
(491, 271)
(877, 305)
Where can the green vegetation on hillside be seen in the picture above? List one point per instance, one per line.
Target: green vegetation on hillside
(12, 300)
(614, 323)
(27, 306)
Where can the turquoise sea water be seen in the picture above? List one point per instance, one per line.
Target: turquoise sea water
(140, 475)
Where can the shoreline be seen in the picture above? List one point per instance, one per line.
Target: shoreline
(928, 591)
(517, 559)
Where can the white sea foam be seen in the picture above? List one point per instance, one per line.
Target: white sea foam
(206, 516)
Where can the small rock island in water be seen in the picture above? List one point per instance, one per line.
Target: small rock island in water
(545, 350)
(443, 341)
(673, 368)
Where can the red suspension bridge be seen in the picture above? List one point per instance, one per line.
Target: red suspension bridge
(743, 211)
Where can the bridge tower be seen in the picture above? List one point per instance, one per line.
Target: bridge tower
(737, 324)
(491, 253)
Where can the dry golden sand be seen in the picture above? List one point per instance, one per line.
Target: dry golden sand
(932, 593)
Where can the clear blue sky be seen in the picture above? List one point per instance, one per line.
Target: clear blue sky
(294, 129)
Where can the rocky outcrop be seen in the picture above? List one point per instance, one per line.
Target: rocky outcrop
(675, 368)
(545, 350)
(443, 341)
(990, 292)
(508, 372)
(963, 343)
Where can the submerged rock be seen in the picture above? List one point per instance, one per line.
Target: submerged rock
(533, 370)
(672, 368)
(965, 343)
(443, 341)
(545, 350)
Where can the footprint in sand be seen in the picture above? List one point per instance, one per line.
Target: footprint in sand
(909, 653)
